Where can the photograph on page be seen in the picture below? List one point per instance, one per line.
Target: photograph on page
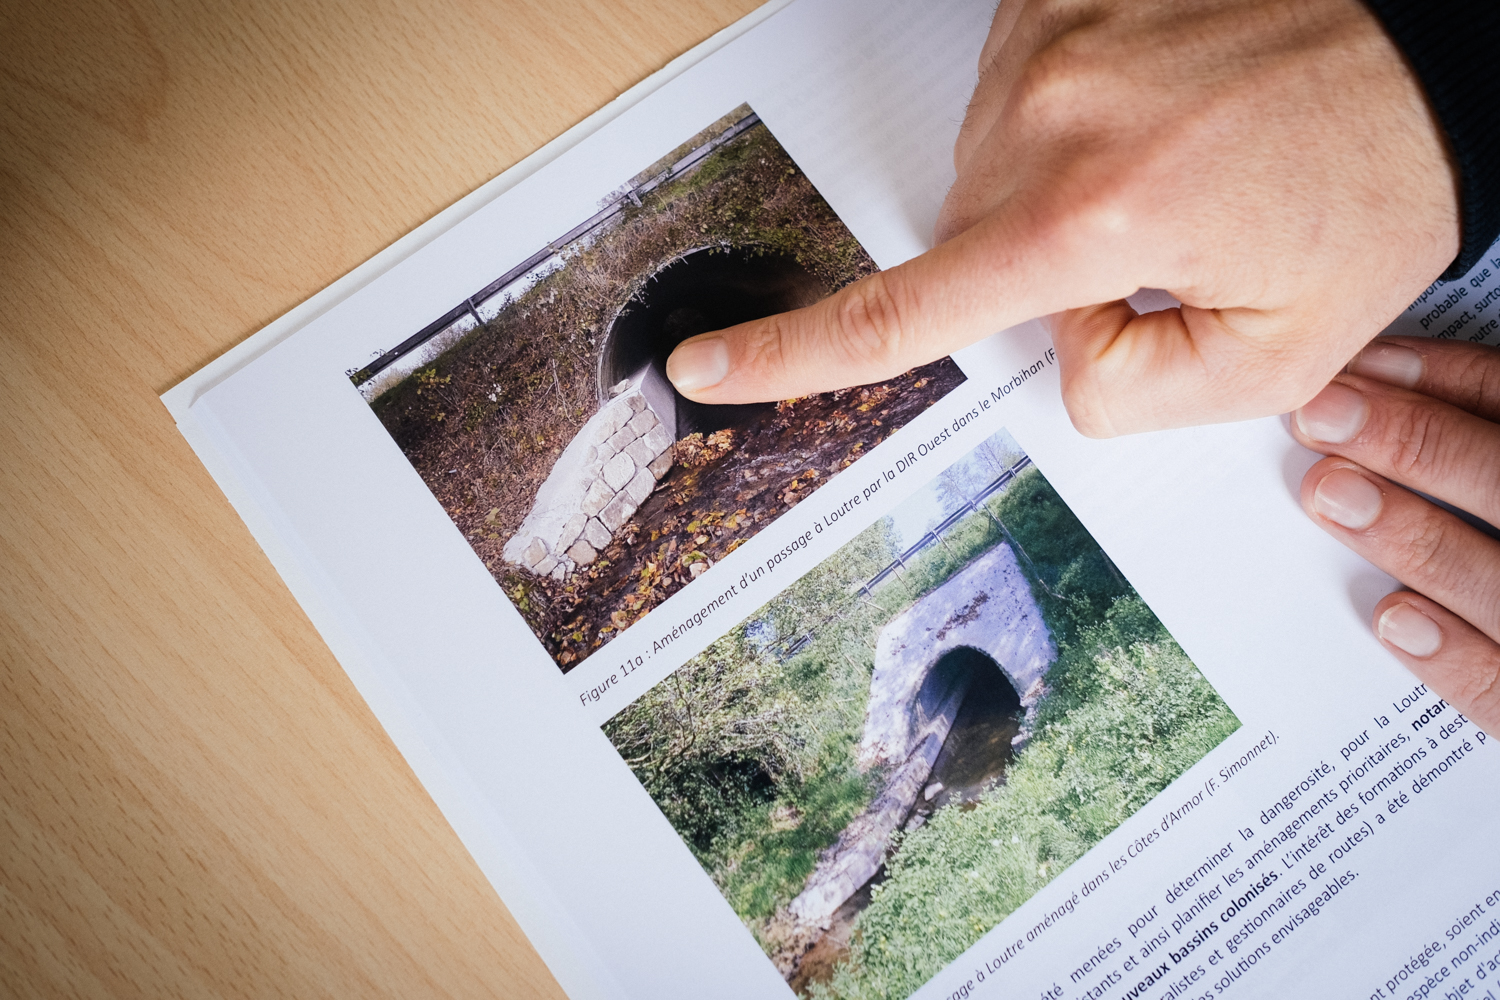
(540, 416)
(886, 760)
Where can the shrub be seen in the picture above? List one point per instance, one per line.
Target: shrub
(1128, 712)
(752, 758)
(515, 390)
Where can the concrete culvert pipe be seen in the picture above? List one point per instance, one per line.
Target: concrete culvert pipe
(705, 290)
(958, 675)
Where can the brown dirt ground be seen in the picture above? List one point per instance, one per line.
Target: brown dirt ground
(697, 515)
(484, 423)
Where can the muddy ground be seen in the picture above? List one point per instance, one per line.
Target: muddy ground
(719, 493)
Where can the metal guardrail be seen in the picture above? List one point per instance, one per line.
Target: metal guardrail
(973, 505)
(470, 305)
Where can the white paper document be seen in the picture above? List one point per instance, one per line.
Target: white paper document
(907, 690)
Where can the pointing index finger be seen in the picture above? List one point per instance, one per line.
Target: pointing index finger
(1001, 272)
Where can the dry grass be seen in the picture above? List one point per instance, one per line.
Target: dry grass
(485, 421)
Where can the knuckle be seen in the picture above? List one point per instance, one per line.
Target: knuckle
(1423, 545)
(768, 344)
(1428, 446)
(1104, 208)
(1087, 408)
(870, 321)
(1100, 171)
(1414, 436)
(1478, 377)
(1486, 617)
(1479, 688)
(1069, 64)
(1050, 84)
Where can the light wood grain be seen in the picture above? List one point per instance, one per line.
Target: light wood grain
(194, 801)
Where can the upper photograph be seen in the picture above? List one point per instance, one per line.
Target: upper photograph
(539, 414)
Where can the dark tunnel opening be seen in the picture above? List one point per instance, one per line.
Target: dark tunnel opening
(705, 290)
(979, 745)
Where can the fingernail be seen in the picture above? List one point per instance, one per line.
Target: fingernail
(1334, 415)
(698, 364)
(1347, 498)
(1390, 363)
(1410, 631)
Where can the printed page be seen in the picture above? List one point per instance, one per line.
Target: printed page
(1466, 309)
(906, 690)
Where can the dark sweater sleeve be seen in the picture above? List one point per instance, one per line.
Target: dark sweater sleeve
(1453, 46)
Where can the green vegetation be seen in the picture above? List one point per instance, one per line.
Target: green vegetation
(753, 760)
(1072, 578)
(1126, 714)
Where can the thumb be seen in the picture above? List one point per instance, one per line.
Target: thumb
(990, 277)
(1124, 372)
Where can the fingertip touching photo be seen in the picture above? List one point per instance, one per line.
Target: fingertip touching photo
(539, 414)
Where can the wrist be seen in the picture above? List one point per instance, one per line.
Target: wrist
(1448, 45)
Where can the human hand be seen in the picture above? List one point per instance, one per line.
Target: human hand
(1271, 163)
(1426, 414)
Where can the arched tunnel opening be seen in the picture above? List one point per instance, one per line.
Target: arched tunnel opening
(978, 748)
(705, 290)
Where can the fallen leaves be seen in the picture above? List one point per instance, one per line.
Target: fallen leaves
(709, 506)
(697, 450)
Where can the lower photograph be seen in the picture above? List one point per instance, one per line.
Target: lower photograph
(890, 757)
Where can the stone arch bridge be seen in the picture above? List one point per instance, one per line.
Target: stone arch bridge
(926, 661)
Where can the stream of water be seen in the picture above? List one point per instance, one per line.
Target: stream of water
(974, 758)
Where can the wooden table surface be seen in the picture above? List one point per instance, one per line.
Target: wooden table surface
(194, 801)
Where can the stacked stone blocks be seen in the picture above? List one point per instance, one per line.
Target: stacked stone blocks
(602, 477)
